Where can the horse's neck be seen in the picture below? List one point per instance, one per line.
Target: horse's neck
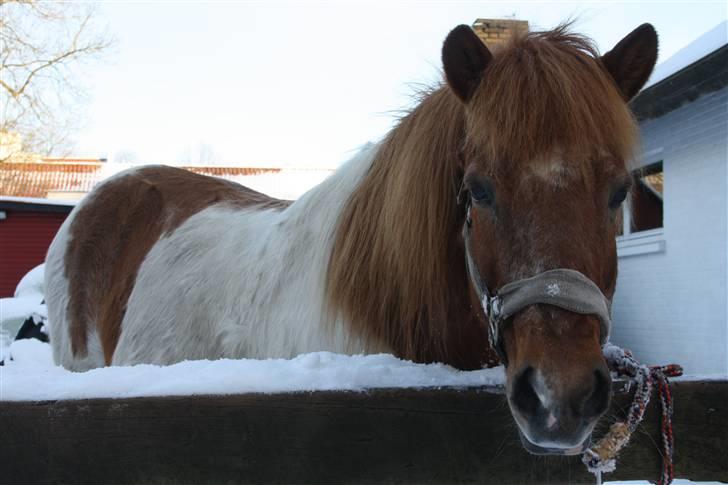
(397, 270)
(298, 244)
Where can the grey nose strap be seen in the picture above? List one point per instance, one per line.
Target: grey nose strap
(563, 288)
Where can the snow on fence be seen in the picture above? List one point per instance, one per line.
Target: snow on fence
(318, 418)
(405, 435)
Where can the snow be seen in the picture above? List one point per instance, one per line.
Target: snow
(32, 283)
(710, 41)
(30, 353)
(31, 376)
(26, 303)
(23, 307)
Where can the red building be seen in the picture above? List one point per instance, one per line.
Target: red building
(27, 228)
(28, 220)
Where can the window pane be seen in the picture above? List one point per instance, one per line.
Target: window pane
(647, 198)
(619, 220)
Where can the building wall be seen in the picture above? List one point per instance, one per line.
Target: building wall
(496, 32)
(24, 240)
(670, 304)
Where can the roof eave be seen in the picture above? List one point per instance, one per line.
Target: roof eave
(706, 75)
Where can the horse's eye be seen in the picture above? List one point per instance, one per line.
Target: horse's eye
(618, 197)
(481, 192)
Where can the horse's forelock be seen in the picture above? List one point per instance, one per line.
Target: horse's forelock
(546, 91)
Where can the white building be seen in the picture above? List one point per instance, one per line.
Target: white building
(672, 299)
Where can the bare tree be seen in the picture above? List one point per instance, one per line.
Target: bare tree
(200, 153)
(43, 45)
(125, 156)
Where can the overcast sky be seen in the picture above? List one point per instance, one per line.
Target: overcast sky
(304, 83)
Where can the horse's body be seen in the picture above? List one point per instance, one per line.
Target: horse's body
(238, 277)
(528, 145)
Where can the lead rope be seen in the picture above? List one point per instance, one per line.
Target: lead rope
(602, 457)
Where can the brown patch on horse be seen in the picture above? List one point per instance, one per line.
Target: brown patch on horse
(397, 270)
(112, 233)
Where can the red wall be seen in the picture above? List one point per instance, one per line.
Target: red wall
(24, 240)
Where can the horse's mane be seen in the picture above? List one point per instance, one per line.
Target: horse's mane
(397, 270)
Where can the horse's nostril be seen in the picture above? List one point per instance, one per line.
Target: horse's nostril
(524, 396)
(598, 401)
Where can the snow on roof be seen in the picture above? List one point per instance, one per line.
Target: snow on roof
(709, 42)
(38, 180)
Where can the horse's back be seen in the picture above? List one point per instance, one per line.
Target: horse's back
(93, 262)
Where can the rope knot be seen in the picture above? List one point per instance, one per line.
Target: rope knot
(602, 457)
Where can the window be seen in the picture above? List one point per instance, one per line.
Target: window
(643, 210)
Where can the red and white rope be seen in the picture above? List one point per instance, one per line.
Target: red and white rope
(602, 457)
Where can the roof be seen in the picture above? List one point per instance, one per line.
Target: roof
(710, 41)
(30, 204)
(39, 180)
(698, 69)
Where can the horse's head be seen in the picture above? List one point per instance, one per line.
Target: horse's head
(548, 135)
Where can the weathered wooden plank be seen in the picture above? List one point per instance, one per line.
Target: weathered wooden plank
(381, 436)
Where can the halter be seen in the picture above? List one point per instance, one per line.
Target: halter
(564, 288)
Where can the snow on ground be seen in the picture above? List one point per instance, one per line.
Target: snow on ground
(32, 284)
(32, 376)
(26, 303)
(22, 307)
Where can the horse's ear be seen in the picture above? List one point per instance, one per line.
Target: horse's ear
(631, 61)
(464, 58)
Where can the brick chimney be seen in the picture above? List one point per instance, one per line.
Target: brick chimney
(495, 32)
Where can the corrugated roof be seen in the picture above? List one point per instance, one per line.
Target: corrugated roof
(38, 179)
(231, 171)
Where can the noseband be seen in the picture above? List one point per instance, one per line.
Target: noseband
(564, 288)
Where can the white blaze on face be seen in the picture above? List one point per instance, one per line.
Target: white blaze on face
(554, 171)
(542, 390)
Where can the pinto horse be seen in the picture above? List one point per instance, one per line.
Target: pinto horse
(526, 146)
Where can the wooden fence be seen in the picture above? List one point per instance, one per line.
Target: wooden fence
(375, 437)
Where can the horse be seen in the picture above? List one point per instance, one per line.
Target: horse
(514, 167)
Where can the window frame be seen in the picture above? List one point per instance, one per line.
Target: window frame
(631, 243)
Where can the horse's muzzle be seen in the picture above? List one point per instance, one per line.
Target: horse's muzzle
(545, 450)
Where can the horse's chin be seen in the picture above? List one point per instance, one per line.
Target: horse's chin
(535, 449)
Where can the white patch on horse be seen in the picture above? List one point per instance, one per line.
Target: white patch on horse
(543, 391)
(553, 171)
(551, 421)
(232, 283)
(56, 290)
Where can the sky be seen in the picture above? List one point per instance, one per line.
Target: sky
(293, 83)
